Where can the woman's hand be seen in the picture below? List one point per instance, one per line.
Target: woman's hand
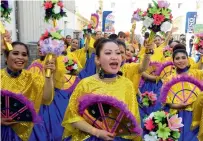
(50, 64)
(102, 134)
(7, 121)
(7, 37)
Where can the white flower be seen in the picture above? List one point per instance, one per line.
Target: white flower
(149, 117)
(57, 9)
(75, 67)
(166, 26)
(148, 137)
(148, 22)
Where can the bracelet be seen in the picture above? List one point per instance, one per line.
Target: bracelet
(149, 51)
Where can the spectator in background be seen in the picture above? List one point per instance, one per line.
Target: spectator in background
(106, 35)
(98, 35)
(191, 45)
(74, 45)
(183, 39)
(68, 40)
(173, 43)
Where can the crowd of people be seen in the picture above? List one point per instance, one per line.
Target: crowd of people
(108, 65)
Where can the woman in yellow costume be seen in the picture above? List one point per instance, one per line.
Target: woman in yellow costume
(180, 60)
(64, 84)
(35, 88)
(106, 82)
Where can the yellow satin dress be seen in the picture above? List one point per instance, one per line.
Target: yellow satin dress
(197, 119)
(122, 89)
(31, 86)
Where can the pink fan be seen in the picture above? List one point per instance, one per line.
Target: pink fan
(107, 113)
(17, 107)
(183, 89)
(165, 70)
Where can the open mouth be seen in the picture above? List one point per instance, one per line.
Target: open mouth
(19, 63)
(114, 65)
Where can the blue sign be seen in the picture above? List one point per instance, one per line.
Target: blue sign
(190, 22)
(105, 15)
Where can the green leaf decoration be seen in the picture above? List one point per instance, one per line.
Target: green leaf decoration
(166, 13)
(56, 35)
(154, 10)
(155, 4)
(159, 116)
(176, 134)
(145, 102)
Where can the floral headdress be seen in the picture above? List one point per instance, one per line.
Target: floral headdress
(5, 11)
(51, 42)
(53, 10)
(161, 125)
(167, 51)
(70, 65)
(198, 43)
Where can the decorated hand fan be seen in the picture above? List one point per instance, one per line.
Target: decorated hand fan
(17, 107)
(36, 67)
(165, 70)
(153, 66)
(184, 89)
(107, 113)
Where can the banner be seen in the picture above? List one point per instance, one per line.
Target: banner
(198, 28)
(190, 22)
(108, 22)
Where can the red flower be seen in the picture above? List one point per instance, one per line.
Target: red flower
(60, 4)
(144, 14)
(158, 19)
(48, 4)
(170, 139)
(149, 124)
(171, 17)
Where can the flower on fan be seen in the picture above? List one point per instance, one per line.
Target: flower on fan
(57, 9)
(48, 4)
(166, 26)
(149, 124)
(148, 22)
(144, 13)
(174, 123)
(158, 19)
(45, 35)
(171, 17)
(163, 131)
(159, 116)
(60, 4)
(163, 4)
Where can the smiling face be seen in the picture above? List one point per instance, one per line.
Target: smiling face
(98, 35)
(158, 41)
(181, 60)
(110, 58)
(74, 45)
(129, 52)
(17, 58)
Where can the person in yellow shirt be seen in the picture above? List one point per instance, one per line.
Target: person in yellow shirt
(36, 88)
(105, 82)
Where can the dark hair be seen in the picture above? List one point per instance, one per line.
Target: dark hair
(179, 51)
(146, 35)
(113, 36)
(17, 43)
(98, 41)
(179, 46)
(68, 36)
(121, 43)
(121, 33)
(101, 43)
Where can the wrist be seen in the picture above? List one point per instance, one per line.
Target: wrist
(95, 132)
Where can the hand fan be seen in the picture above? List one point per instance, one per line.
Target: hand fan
(182, 89)
(36, 67)
(17, 107)
(107, 113)
(153, 66)
(165, 70)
